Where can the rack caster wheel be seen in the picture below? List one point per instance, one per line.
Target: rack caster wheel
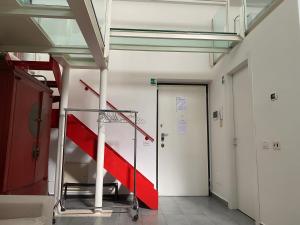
(53, 221)
(135, 218)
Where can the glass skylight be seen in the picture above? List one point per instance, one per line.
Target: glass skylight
(254, 8)
(62, 32)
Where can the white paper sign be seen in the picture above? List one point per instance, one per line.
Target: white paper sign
(181, 104)
(181, 126)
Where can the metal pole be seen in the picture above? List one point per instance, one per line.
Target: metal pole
(243, 20)
(228, 16)
(61, 132)
(101, 143)
(135, 152)
(62, 204)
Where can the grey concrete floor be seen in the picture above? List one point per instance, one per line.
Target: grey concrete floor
(172, 211)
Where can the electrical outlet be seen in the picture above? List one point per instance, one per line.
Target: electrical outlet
(276, 146)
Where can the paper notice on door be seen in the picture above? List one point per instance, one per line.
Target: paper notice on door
(181, 104)
(181, 126)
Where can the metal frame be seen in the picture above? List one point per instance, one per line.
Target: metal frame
(43, 49)
(168, 49)
(40, 11)
(60, 201)
(177, 35)
(78, 63)
(66, 185)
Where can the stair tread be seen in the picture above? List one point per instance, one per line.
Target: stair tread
(52, 84)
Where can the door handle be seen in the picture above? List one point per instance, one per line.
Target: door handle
(35, 152)
(163, 135)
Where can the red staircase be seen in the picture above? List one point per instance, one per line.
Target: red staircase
(115, 164)
(86, 139)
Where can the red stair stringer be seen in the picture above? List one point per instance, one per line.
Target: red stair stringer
(114, 163)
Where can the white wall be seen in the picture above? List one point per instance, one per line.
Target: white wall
(272, 51)
(129, 88)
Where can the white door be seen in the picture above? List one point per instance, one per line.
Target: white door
(245, 150)
(182, 141)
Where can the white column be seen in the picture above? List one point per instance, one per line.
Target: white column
(101, 142)
(64, 96)
(228, 16)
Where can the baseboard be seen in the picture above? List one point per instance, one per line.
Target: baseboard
(220, 199)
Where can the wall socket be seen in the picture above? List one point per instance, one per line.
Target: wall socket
(276, 146)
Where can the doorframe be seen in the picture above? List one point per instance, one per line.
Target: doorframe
(233, 203)
(208, 128)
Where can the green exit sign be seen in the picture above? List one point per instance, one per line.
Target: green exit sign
(153, 81)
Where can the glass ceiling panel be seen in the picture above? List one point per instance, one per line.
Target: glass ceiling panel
(44, 2)
(62, 32)
(162, 42)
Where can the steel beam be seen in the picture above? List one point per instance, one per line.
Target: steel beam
(168, 49)
(51, 50)
(61, 12)
(78, 63)
(176, 35)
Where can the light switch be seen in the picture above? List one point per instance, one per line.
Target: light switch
(276, 146)
(274, 96)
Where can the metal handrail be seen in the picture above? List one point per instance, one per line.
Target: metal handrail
(147, 136)
(235, 20)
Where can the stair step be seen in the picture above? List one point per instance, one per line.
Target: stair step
(56, 99)
(52, 84)
(55, 118)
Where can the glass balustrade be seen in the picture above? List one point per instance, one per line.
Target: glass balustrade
(219, 24)
(255, 8)
(62, 32)
(219, 21)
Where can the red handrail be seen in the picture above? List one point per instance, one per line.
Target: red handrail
(147, 136)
